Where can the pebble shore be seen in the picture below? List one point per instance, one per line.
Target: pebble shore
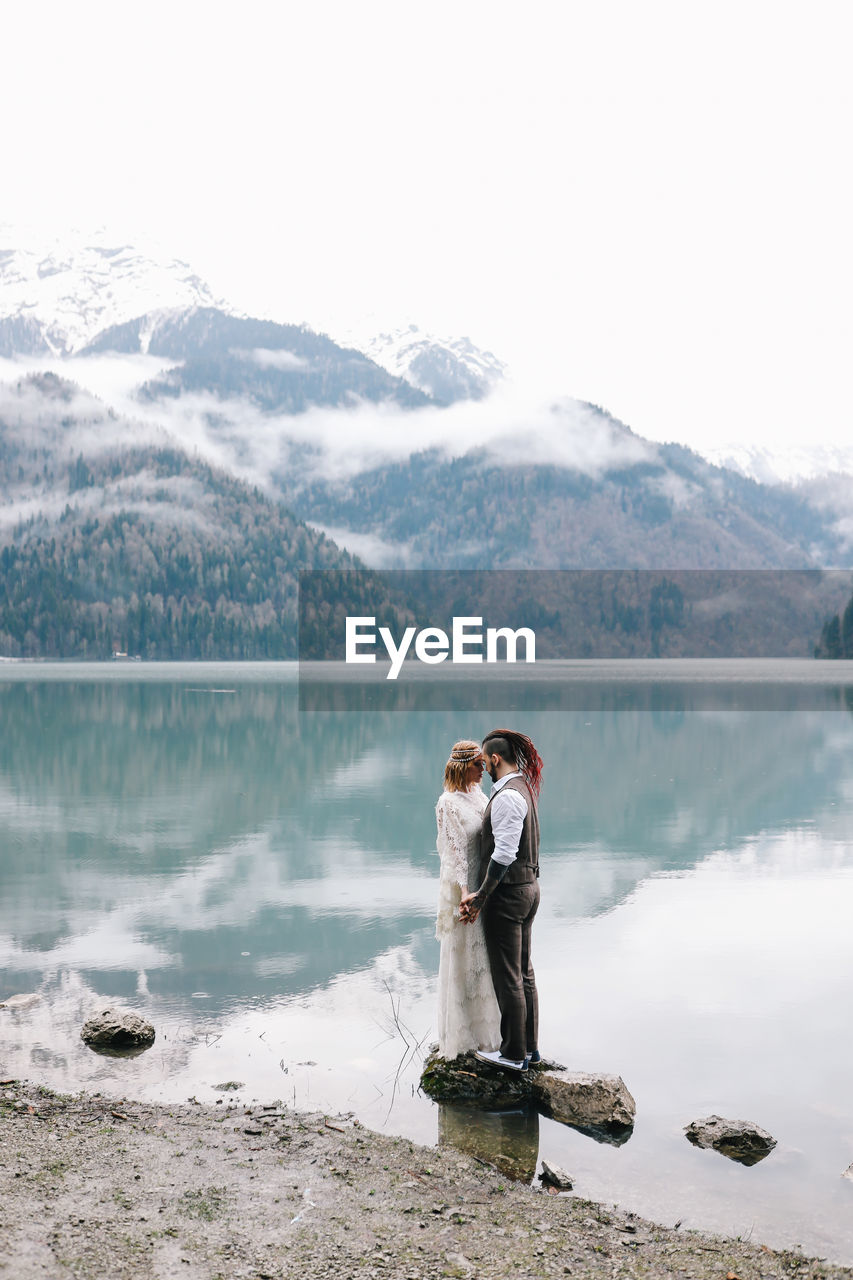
(91, 1187)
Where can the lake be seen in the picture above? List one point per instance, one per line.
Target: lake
(256, 873)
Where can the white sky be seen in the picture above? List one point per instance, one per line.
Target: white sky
(647, 205)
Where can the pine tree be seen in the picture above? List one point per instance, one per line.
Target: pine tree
(830, 639)
(847, 630)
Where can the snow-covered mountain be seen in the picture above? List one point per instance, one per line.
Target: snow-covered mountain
(448, 369)
(783, 464)
(85, 294)
(335, 431)
(55, 297)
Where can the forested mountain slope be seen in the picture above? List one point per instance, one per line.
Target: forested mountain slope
(140, 549)
(666, 508)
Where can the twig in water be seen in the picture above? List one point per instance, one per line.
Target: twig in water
(400, 1065)
(395, 1013)
(410, 1040)
(423, 1037)
(389, 1035)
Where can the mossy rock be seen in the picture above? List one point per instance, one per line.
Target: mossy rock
(595, 1104)
(467, 1079)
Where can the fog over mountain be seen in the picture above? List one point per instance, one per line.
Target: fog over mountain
(129, 391)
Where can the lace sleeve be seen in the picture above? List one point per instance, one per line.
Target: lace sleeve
(452, 842)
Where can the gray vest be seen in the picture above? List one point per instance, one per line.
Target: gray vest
(526, 866)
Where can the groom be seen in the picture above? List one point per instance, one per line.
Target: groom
(508, 894)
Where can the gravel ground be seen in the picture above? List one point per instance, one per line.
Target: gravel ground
(92, 1187)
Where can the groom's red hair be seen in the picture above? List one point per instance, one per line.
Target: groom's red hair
(517, 749)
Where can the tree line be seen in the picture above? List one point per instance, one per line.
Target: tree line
(207, 569)
(836, 637)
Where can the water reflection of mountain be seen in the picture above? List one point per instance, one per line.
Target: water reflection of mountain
(134, 743)
(155, 826)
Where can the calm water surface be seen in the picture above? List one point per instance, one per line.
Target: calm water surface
(260, 883)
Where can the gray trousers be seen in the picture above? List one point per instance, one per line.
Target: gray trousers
(507, 924)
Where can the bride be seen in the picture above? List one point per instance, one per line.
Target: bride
(468, 1014)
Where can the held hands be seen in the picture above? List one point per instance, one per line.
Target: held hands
(469, 909)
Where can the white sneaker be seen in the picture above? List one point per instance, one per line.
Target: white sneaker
(496, 1058)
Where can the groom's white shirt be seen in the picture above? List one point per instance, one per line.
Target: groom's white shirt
(508, 811)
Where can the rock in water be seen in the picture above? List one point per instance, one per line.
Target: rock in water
(20, 1002)
(114, 1030)
(739, 1140)
(556, 1176)
(467, 1079)
(597, 1105)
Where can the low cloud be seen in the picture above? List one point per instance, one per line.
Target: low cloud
(332, 444)
(569, 434)
(66, 417)
(374, 551)
(278, 359)
(178, 501)
(680, 492)
(335, 444)
(843, 530)
(716, 606)
(112, 378)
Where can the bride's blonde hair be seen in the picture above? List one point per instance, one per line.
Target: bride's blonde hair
(460, 757)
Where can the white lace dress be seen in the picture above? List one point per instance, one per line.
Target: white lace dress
(468, 1014)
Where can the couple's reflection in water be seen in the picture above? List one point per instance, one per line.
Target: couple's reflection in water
(508, 1139)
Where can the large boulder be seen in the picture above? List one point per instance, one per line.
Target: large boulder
(117, 1031)
(739, 1140)
(597, 1105)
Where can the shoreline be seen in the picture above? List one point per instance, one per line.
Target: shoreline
(95, 1187)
